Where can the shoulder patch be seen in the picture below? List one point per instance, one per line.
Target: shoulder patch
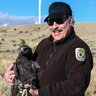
(80, 54)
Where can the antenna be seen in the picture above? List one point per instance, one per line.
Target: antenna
(39, 12)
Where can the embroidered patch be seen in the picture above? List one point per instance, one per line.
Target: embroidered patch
(80, 54)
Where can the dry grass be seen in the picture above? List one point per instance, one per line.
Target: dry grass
(12, 36)
(5, 60)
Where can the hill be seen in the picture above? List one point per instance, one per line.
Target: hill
(11, 37)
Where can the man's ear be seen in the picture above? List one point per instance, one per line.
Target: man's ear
(71, 21)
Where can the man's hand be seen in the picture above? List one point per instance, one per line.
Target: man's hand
(34, 92)
(9, 75)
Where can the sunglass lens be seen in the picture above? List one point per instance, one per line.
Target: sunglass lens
(59, 21)
(50, 22)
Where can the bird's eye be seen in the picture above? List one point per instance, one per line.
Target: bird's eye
(25, 49)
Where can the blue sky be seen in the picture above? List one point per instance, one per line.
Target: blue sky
(15, 12)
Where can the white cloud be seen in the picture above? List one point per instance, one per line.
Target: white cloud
(5, 25)
(3, 14)
(5, 18)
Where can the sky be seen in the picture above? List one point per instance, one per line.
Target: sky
(16, 12)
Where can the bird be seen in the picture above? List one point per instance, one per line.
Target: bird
(25, 70)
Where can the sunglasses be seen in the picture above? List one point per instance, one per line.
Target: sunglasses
(50, 22)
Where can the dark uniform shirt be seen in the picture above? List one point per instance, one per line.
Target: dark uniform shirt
(65, 66)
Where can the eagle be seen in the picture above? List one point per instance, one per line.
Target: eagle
(25, 72)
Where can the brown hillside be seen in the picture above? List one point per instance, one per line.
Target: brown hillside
(11, 37)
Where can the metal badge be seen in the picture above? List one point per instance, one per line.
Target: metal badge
(80, 54)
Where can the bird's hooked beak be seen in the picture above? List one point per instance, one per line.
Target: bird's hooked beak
(21, 51)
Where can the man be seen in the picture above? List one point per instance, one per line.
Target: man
(65, 60)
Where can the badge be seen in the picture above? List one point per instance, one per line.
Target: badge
(80, 54)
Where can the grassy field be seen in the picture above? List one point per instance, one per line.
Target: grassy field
(11, 37)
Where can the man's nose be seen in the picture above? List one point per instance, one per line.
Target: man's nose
(55, 25)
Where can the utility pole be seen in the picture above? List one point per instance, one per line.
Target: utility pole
(39, 12)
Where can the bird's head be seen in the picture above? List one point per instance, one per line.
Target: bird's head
(26, 51)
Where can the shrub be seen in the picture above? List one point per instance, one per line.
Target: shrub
(22, 42)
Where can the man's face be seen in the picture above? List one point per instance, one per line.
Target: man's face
(59, 30)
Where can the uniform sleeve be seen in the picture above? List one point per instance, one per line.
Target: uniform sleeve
(78, 76)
